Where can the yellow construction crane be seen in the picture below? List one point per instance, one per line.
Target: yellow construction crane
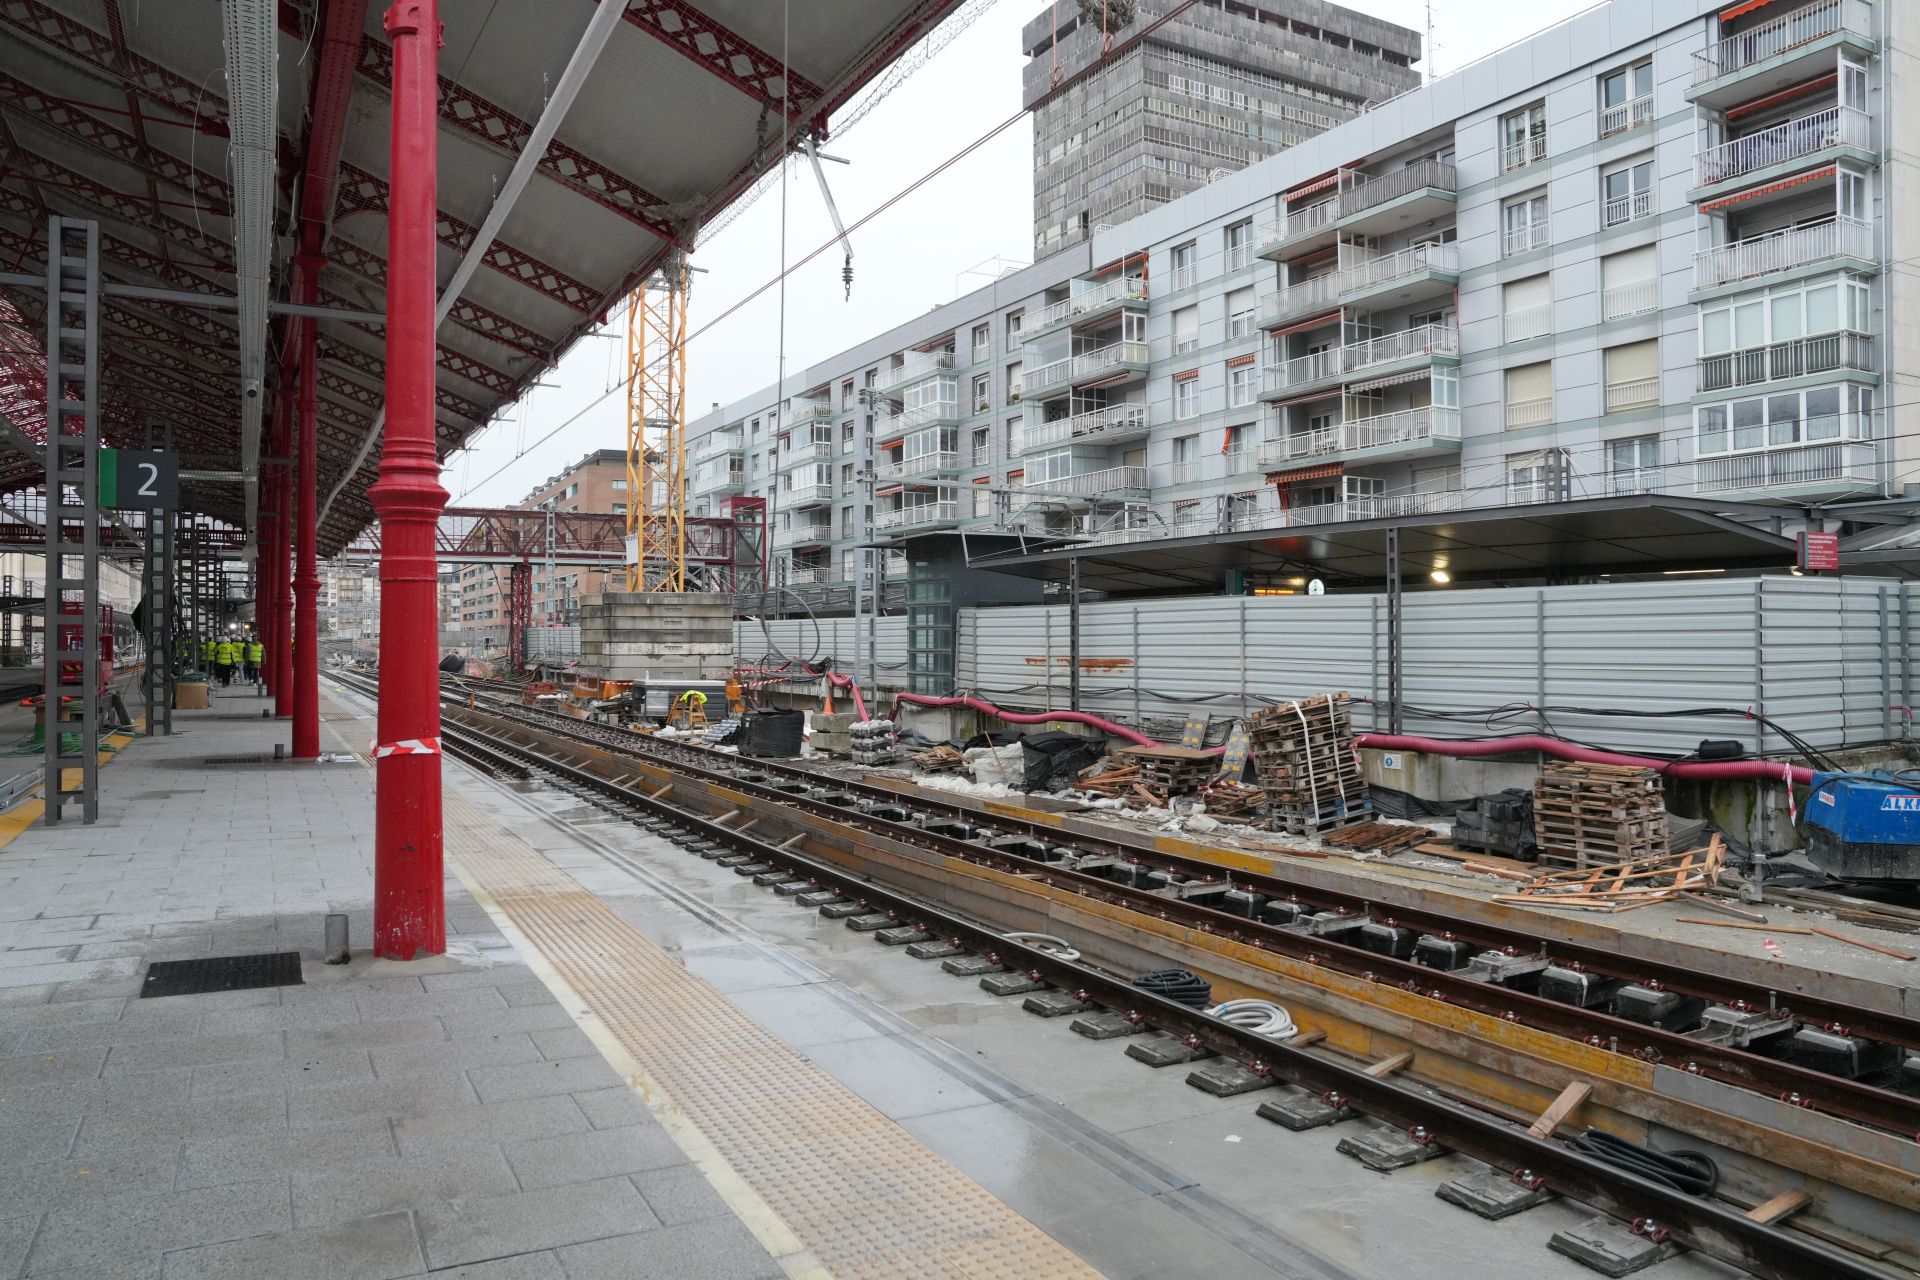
(657, 429)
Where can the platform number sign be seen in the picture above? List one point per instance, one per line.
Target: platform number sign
(139, 480)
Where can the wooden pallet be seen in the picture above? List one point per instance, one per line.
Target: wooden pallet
(1595, 815)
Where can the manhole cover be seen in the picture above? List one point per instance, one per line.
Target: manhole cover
(221, 973)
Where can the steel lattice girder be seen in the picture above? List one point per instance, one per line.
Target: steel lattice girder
(752, 70)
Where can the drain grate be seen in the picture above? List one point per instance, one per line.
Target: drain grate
(237, 760)
(221, 973)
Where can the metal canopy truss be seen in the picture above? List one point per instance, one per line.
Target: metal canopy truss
(130, 115)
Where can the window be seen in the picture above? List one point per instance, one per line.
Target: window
(982, 342)
(1523, 136)
(1633, 466)
(1526, 309)
(619, 486)
(982, 500)
(1784, 420)
(1527, 477)
(1626, 98)
(846, 522)
(1632, 375)
(846, 477)
(1186, 398)
(1235, 446)
(846, 395)
(1015, 321)
(573, 490)
(1523, 224)
(1186, 459)
(1787, 333)
(1627, 194)
(1013, 435)
(846, 435)
(1243, 385)
(1530, 395)
(1186, 329)
(1238, 241)
(982, 392)
(1242, 313)
(1181, 261)
(1629, 283)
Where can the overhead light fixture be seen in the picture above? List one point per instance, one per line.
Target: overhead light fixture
(1441, 576)
(1687, 573)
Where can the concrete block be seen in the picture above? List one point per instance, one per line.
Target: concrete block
(934, 949)
(1227, 1079)
(840, 909)
(1009, 984)
(1491, 1194)
(1384, 1149)
(789, 888)
(1299, 1110)
(1161, 1050)
(901, 936)
(1054, 1004)
(1610, 1247)
(1105, 1026)
(971, 966)
(751, 868)
(819, 898)
(871, 922)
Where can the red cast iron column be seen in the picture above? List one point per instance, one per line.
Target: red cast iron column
(409, 898)
(306, 581)
(273, 548)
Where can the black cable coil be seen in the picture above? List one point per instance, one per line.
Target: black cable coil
(1692, 1172)
(1187, 987)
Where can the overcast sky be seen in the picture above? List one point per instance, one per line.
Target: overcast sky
(951, 236)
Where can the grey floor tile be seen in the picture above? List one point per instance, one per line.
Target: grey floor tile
(544, 1265)
(132, 1121)
(712, 1249)
(1035, 1174)
(568, 1075)
(40, 1068)
(195, 1051)
(48, 1136)
(102, 1234)
(894, 1079)
(16, 1233)
(478, 1229)
(380, 1247)
(374, 1186)
(526, 993)
(456, 1055)
(540, 1017)
(599, 1153)
(564, 1042)
(680, 1194)
(409, 1096)
(489, 1125)
(376, 1034)
(611, 1108)
(804, 1016)
(209, 1162)
(284, 1075)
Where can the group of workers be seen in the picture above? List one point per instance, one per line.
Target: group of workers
(238, 653)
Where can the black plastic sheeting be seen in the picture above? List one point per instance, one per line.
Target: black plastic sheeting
(767, 734)
(1051, 760)
(453, 662)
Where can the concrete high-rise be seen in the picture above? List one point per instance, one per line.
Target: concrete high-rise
(1178, 102)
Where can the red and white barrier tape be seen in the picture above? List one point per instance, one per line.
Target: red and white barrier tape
(405, 747)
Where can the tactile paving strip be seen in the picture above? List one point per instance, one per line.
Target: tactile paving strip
(865, 1196)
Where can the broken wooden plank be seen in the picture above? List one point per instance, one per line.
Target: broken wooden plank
(1559, 1109)
(1786, 1203)
(1740, 924)
(1387, 1066)
(1864, 946)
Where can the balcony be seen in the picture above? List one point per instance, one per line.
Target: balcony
(1790, 49)
(1416, 192)
(803, 535)
(1438, 263)
(1312, 223)
(1627, 481)
(1640, 393)
(1835, 465)
(1528, 150)
(1383, 507)
(719, 480)
(810, 575)
(1409, 433)
(918, 517)
(795, 455)
(919, 365)
(1088, 304)
(1779, 251)
(1115, 424)
(1527, 323)
(943, 413)
(1524, 239)
(807, 495)
(1535, 412)
(812, 411)
(1801, 139)
(715, 444)
(1635, 297)
(1089, 366)
(1630, 114)
(1112, 482)
(926, 464)
(1428, 342)
(1624, 209)
(1755, 366)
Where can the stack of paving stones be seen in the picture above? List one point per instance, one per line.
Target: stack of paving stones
(1595, 815)
(1306, 762)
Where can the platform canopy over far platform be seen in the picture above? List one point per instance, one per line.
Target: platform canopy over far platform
(148, 118)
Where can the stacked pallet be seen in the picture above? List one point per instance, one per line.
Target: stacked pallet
(1172, 771)
(1594, 815)
(1304, 758)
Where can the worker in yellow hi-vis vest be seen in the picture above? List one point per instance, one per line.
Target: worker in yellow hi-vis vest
(256, 653)
(223, 659)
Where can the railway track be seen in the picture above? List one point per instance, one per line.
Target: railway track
(1714, 1228)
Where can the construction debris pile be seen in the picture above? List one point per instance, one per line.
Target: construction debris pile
(1308, 765)
(1620, 886)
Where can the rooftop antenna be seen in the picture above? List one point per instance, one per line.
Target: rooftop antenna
(1432, 71)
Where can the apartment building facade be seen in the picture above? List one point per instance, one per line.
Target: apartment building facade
(1644, 251)
(597, 482)
(1168, 104)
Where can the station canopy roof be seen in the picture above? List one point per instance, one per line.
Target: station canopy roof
(123, 111)
(1640, 533)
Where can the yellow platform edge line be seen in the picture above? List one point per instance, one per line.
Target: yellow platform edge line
(760, 1218)
(32, 809)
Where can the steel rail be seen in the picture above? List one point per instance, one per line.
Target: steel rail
(1864, 1104)
(1713, 1228)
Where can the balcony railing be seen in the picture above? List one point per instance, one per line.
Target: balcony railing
(804, 535)
(1633, 298)
(920, 364)
(1323, 290)
(1118, 289)
(1180, 278)
(924, 465)
(1092, 484)
(795, 455)
(1088, 364)
(1626, 481)
(812, 411)
(1835, 461)
(1627, 208)
(924, 415)
(1526, 151)
(1782, 251)
(1522, 239)
(1384, 507)
(714, 480)
(803, 495)
(1822, 353)
(1636, 394)
(809, 575)
(1426, 340)
(1834, 127)
(1408, 426)
(1096, 426)
(1183, 472)
(911, 517)
(715, 446)
(1529, 413)
(1757, 44)
(1362, 191)
(1528, 322)
(1522, 492)
(1299, 222)
(1630, 114)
